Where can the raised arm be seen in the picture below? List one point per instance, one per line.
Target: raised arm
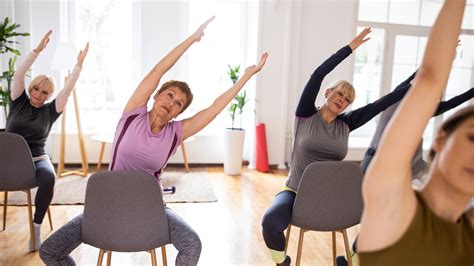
(390, 202)
(148, 85)
(306, 106)
(18, 84)
(454, 102)
(194, 124)
(63, 95)
(360, 116)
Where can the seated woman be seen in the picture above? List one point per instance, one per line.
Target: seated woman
(401, 226)
(144, 140)
(418, 165)
(320, 134)
(31, 117)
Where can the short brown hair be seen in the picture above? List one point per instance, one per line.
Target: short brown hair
(182, 86)
(453, 122)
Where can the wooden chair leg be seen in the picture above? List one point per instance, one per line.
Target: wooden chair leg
(50, 220)
(287, 238)
(101, 257)
(109, 257)
(153, 257)
(348, 249)
(300, 247)
(30, 216)
(185, 158)
(5, 201)
(163, 255)
(334, 251)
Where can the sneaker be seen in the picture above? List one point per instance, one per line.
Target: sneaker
(341, 261)
(286, 262)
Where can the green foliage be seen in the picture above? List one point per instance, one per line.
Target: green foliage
(238, 103)
(7, 32)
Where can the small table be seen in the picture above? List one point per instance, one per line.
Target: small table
(109, 138)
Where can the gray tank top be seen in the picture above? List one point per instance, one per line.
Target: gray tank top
(315, 140)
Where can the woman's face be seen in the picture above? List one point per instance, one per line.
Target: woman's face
(39, 94)
(169, 103)
(456, 157)
(337, 100)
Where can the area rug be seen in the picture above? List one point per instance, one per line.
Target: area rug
(70, 190)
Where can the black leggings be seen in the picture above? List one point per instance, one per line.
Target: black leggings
(277, 218)
(45, 180)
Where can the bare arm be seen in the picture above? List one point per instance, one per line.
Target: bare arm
(390, 202)
(63, 95)
(148, 85)
(194, 124)
(18, 85)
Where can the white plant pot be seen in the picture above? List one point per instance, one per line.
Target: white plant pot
(3, 119)
(233, 148)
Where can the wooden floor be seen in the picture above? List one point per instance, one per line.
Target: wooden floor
(230, 229)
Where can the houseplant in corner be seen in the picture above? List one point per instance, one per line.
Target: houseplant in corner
(7, 33)
(234, 136)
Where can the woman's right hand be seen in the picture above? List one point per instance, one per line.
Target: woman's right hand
(197, 35)
(360, 39)
(43, 42)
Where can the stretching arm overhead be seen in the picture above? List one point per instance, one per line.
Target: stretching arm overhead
(148, 85)
(306, 105)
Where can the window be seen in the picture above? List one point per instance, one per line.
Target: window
(406, 25)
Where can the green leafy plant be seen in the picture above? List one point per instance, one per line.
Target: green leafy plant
(8, 77)
(237, 104)
(7, 32)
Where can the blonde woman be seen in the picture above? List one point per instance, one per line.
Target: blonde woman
(32, 117)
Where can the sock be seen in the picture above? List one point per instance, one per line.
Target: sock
(37, 232)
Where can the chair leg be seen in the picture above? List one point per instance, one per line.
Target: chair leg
(153, 257)
(334, 251)
(163, 255)
(101, 257)
(50, 220)
(287, 239)
(300, 247)
(5, 201)
(30, 216)
(109, 257)
(348, 249)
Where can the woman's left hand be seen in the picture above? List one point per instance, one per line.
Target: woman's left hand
(254, 69)
(82, 55)
(360, 39)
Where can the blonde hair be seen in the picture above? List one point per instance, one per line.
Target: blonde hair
(344, 87)
(43, 81)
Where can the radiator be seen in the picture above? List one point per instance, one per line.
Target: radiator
(201, 150)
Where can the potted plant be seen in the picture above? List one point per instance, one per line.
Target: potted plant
(7, 33)
(234, 136)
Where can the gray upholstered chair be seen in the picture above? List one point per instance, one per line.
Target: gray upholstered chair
(124, 212)
(329, 198)
(17, 173)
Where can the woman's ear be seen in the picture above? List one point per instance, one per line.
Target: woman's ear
(326, 93)
(439, 141)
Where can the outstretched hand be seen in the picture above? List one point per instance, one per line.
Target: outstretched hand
(200, 31)
(43, 42)
(82, 55)
(252, 70)
(360, 39)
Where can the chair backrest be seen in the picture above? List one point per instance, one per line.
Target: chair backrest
(17, 170)
(329, 197)
(124, 212)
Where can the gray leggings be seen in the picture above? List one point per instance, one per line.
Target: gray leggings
(56, 249)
